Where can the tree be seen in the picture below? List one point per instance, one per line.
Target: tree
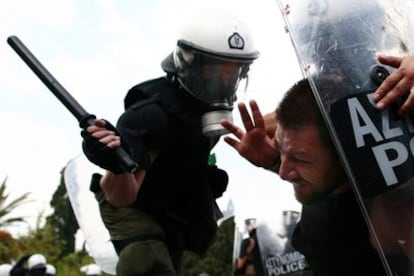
(6, 208)
(42, 240)
(45, 241)
(9, 247)
(218, 259)
(63, 220)
(54, 239)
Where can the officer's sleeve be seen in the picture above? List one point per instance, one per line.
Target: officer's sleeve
(140, 128)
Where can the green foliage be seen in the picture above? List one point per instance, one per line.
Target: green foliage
(55, 240)
(63, 220)
(71, 264)
(6, 208)
(218, 259)
(42, 240)
(9, 247)
(39, 240)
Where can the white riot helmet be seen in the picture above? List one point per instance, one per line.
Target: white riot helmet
(5, 269)
(36, 261)
(214, 51)
(91, 269)
(50, 270)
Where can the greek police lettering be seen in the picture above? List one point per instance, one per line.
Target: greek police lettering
(379, 146)
(285, 264)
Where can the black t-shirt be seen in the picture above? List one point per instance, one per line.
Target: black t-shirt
(334, 238)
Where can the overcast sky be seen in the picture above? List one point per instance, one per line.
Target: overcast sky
(98, 49)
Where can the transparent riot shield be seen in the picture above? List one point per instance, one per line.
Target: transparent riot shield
(77, 177)
(271, 252)
(337, 43)
(278, 255)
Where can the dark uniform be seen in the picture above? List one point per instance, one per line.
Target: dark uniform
(334, 238)
(174, 209)
(169, 127)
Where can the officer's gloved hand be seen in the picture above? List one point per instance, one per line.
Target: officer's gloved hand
(99, 153)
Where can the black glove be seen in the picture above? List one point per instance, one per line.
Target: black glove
(99, 153)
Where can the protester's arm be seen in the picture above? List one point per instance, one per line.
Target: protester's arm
(398, 84)
(254, 143)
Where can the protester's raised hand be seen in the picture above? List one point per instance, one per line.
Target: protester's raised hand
(253, 143)
(398, 84)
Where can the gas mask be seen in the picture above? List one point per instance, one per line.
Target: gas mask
(214, 81)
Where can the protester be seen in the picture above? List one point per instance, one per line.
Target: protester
(332, 233)
(169, 127)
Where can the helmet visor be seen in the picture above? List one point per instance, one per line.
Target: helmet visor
(213, 79)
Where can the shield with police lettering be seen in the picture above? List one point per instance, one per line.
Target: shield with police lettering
(77, 178)
(272, 253)
(278, 255)
(337, 43)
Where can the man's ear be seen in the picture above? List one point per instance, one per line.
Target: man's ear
(270, 122)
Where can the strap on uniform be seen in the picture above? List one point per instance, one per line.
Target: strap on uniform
(95, 185)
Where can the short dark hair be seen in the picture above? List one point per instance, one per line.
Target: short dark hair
(298, 108)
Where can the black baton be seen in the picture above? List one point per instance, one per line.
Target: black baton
(84, 118)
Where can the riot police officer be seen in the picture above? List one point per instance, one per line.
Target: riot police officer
(169, 127)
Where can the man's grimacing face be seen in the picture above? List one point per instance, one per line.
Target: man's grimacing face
(308, 164)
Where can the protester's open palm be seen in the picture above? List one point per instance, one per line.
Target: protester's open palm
(254, 144)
